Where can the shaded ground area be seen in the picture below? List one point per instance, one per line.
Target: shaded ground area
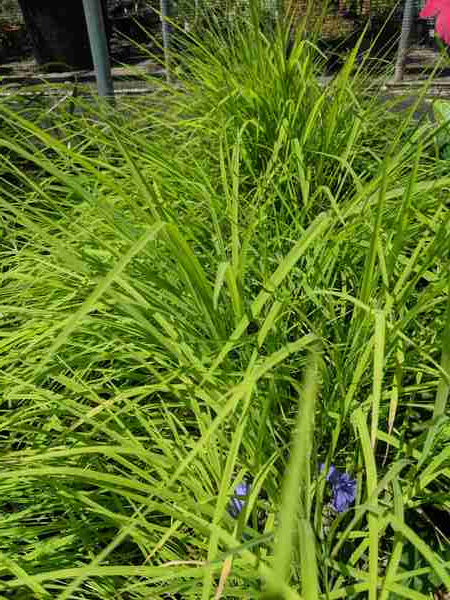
(134, 50)
(131, 42)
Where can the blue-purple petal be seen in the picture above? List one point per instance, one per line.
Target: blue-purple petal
(344, 489)
(237, 502)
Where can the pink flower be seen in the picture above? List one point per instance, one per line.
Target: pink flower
(441, 10)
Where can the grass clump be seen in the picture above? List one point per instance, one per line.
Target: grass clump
(233, 281)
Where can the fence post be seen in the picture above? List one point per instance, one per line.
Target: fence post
(99, 47)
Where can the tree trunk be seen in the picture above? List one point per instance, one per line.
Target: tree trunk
(407, 24)
(58, 33)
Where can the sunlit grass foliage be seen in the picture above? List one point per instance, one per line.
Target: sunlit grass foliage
(235, 281)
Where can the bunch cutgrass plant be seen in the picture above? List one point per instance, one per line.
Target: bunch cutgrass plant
(206, 296)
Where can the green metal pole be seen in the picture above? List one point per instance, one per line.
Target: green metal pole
(165, 16)
(99, 47)
(403, 45)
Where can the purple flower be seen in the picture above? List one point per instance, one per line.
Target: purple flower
(237, 502)
(344, 489)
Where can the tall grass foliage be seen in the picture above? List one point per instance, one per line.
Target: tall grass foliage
(234, 280)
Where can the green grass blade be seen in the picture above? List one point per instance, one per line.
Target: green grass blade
(90, 303)
(294, 493)
(396, 556)
(378, 367)
(435, 561)
(371, 474)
